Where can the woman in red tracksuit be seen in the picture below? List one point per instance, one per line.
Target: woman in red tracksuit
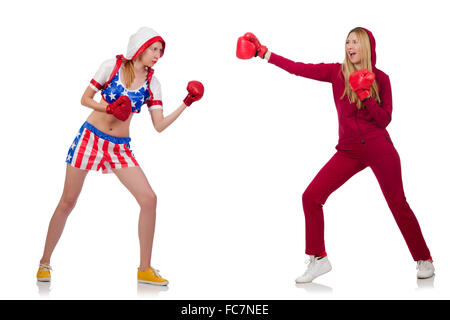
(362, 94)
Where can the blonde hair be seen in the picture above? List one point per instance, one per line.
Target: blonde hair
(129, 74)
(366, 63)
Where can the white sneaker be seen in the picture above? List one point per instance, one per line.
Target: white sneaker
(425, 269)
(316, 267)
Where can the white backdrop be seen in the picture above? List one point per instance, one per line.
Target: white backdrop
(230, 172)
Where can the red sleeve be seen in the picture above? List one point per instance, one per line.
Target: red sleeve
(381, 113)
(320, 71)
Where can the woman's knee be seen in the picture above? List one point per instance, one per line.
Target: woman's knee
(310, 198)
(67, 203)
(399, 206)
(148, 201)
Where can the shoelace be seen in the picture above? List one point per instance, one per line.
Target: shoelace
(422, 264)
(45, 267)
(310, 263)
(156, 272)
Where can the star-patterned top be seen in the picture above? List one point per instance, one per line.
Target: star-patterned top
(115, 89)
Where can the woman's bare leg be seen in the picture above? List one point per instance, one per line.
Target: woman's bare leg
(72, 187)
(135, 181)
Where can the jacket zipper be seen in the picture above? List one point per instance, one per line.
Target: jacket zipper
(359, 129)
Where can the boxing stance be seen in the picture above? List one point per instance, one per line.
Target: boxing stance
(126, 83)
(362, 94)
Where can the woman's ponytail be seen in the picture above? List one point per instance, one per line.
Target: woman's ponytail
(129, 73)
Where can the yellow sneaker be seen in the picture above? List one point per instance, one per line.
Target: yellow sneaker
(43, 273)
(151, 276)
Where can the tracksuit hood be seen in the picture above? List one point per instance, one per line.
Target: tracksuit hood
(372, 46)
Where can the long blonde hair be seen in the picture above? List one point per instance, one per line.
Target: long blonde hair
(129, 74)
(366, 63)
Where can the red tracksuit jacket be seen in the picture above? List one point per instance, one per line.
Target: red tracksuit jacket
(354, 125)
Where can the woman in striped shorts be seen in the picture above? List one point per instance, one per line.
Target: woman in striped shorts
(126, 83)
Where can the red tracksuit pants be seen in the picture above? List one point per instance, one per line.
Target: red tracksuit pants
(381, 156)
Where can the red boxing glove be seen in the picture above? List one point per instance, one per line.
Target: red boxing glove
(248, 45)
(245, 49)
(361, 82)
(195, 89)
(120, 108)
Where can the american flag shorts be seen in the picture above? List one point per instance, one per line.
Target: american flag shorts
(95, 150)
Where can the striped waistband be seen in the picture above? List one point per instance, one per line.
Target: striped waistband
(104, 136)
